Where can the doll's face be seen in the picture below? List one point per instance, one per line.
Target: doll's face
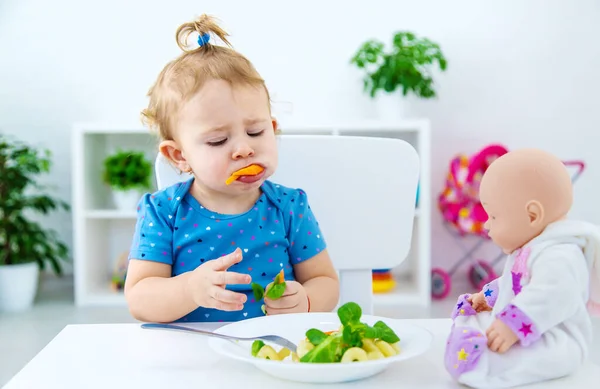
(510, 222)
(522, 192)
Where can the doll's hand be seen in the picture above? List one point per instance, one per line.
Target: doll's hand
(478, 302)
(500, 337)
(294, 300)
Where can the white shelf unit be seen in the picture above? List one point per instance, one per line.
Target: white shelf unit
(102, 233)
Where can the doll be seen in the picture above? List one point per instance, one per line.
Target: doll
(533, 322)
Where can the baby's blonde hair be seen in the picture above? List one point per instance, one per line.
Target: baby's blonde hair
(184, 76)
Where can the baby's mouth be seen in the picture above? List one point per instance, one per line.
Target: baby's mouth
(250, 170)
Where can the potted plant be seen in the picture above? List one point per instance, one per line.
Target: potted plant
(25, 246)
(128, 173)
(406, 67)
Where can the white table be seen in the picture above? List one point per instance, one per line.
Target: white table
(126, 356)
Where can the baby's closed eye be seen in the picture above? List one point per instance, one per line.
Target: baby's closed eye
(217, 142)
(256, 133)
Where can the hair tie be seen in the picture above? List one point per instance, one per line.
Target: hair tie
(203, 39)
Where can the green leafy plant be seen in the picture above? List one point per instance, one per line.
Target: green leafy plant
(407, 65)
(21, 239)
(126, 170)
(276, 290)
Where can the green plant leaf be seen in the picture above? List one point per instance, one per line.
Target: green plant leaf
(258, 291)
(329, 348)
(127, 169)
(22, 196)
(328, 351)
(385, 333)
(276, 291)
(353, 334)
(349, 313)
(316, 336)
(256, 346)
(406, 66)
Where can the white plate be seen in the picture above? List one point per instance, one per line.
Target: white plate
(414, 341)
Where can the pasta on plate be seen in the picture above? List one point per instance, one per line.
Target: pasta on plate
(354, 341)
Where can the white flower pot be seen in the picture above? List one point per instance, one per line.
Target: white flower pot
(126, 200)
(18, 286)
(390, 106)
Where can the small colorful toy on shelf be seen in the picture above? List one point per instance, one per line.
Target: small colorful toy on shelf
(383, 281)
(118, 276)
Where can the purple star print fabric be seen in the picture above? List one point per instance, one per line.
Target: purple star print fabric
(464, 348)
(516, 282)
(490, 292)
(279, 231)
(519, 269)
(463, 307)
(520, 324)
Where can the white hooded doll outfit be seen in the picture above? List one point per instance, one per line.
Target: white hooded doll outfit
(545, 295)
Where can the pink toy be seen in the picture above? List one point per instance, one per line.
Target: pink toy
(459, 201)
(463, 215)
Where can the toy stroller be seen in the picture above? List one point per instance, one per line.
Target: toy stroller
(464, 215)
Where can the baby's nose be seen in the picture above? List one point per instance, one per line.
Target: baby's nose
(244, 151)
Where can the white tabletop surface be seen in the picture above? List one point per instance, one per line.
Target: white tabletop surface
(126, 356)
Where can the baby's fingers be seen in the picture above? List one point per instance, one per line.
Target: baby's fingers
(286, 302)
(229, 278)
(221, 306)
(226, 261)
(227, 300)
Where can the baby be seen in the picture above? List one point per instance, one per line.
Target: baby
(532, 323)
(199, 245)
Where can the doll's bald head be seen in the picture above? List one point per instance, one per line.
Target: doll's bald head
(522, 192)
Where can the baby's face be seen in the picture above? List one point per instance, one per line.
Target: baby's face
(508, 223)
(223, 129)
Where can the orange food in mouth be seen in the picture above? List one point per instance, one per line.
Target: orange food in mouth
(251, 170)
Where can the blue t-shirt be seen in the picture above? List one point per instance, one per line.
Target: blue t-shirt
(279, 231)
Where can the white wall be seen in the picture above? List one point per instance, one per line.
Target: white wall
(520, 72)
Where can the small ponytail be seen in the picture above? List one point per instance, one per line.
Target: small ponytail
(204, 26)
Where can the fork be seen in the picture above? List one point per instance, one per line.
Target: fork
(283, 342)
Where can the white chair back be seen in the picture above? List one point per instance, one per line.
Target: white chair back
(361, 189)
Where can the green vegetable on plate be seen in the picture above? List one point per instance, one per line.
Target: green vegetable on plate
(354, 341)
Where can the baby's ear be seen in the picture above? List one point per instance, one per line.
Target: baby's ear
(171, 151)
(535, 212)
(275, 124)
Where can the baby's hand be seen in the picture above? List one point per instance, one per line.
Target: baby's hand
(500, 337)
(207, 284)
(293, 300)
(478, 302)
